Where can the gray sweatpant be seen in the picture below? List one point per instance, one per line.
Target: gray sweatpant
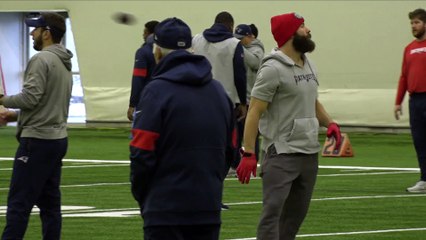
(288, 181)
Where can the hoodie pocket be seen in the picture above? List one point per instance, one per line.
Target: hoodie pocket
(304, 134)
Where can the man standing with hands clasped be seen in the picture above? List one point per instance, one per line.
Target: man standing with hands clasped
(41, 131)
(413, 80)
(284, 105)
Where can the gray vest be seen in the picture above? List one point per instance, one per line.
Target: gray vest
(220, 56)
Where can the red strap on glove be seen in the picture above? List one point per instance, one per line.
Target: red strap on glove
(333, 130)
(247, 166)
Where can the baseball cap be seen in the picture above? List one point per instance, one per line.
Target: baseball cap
(51, 20)
(284, 26)
(242, 30)
(173, 33)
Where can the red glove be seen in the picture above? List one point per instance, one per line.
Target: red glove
(333, 130)
(247, 166)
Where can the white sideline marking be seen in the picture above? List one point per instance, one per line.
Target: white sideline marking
(104, 214)
(90, 166)
(365, 174)
(94, 185)
(78, 160)
(325, 167)
(96, 161)
(340, 174)
(85, 211)
(63, 208)
(85, 185)
(369, 168)
(80, 166)
(342, 198)
(348, 233)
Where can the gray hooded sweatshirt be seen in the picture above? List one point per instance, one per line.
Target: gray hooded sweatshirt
(290, 121)
(253, 55)
(45, 96)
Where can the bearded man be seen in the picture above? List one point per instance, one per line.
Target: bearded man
(284, 107)
(413, 81)
(41, 130)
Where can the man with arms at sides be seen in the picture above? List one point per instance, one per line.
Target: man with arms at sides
(226, 55)
(41, 131)
(413, 80)
(181, 149)
(284, 106)
(253, 54)
(142, 70)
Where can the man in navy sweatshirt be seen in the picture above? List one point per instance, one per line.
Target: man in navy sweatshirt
(182, 149)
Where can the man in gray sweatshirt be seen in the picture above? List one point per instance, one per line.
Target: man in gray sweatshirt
(41, 131)
(284, 106)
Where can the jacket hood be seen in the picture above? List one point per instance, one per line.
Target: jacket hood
(256, 43)
(182, 67)
(277, 55)
(217, 33)
(64, 54)
(149, 39)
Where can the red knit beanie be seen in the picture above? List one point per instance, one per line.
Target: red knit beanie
(284, 26)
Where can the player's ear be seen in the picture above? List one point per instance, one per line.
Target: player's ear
(46, 34)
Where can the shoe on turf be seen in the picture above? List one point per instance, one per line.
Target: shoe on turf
(224, 207)
(232, 173)
(419, 187)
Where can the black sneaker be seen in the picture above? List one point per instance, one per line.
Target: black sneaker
(225, 207)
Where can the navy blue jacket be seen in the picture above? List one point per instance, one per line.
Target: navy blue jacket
(142, 70)
(183, 143)
(218, 33)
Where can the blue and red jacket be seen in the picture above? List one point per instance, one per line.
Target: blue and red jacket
(184, 141)
(142, 70)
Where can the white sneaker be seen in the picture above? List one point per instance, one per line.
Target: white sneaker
(419, 187)
(232, 173)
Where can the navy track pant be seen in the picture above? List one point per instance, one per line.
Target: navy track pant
(35, 181)
(417, 106)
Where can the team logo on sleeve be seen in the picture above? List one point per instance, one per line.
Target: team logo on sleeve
(418, 50)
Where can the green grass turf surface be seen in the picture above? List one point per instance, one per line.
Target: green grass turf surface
(345, 201)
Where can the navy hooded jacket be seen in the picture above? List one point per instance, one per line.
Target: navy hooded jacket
(183, 143)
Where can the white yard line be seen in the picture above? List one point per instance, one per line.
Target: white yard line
(131, 212)
(94, 185)
(365, 174)
(369, 168)
(321, 166)
(92, 166)
(80, 166)
(348, 233)
(79, 160)
(342, 198)
(84, 185)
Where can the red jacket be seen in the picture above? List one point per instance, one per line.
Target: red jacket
(413, 73)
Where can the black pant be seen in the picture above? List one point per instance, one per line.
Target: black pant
(190, 232)
(35, 181)
(417, 107)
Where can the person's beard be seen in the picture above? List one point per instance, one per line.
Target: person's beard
(303, 44)
(38, 43)
(419, 34)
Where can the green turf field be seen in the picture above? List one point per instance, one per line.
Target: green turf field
(368, 203)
